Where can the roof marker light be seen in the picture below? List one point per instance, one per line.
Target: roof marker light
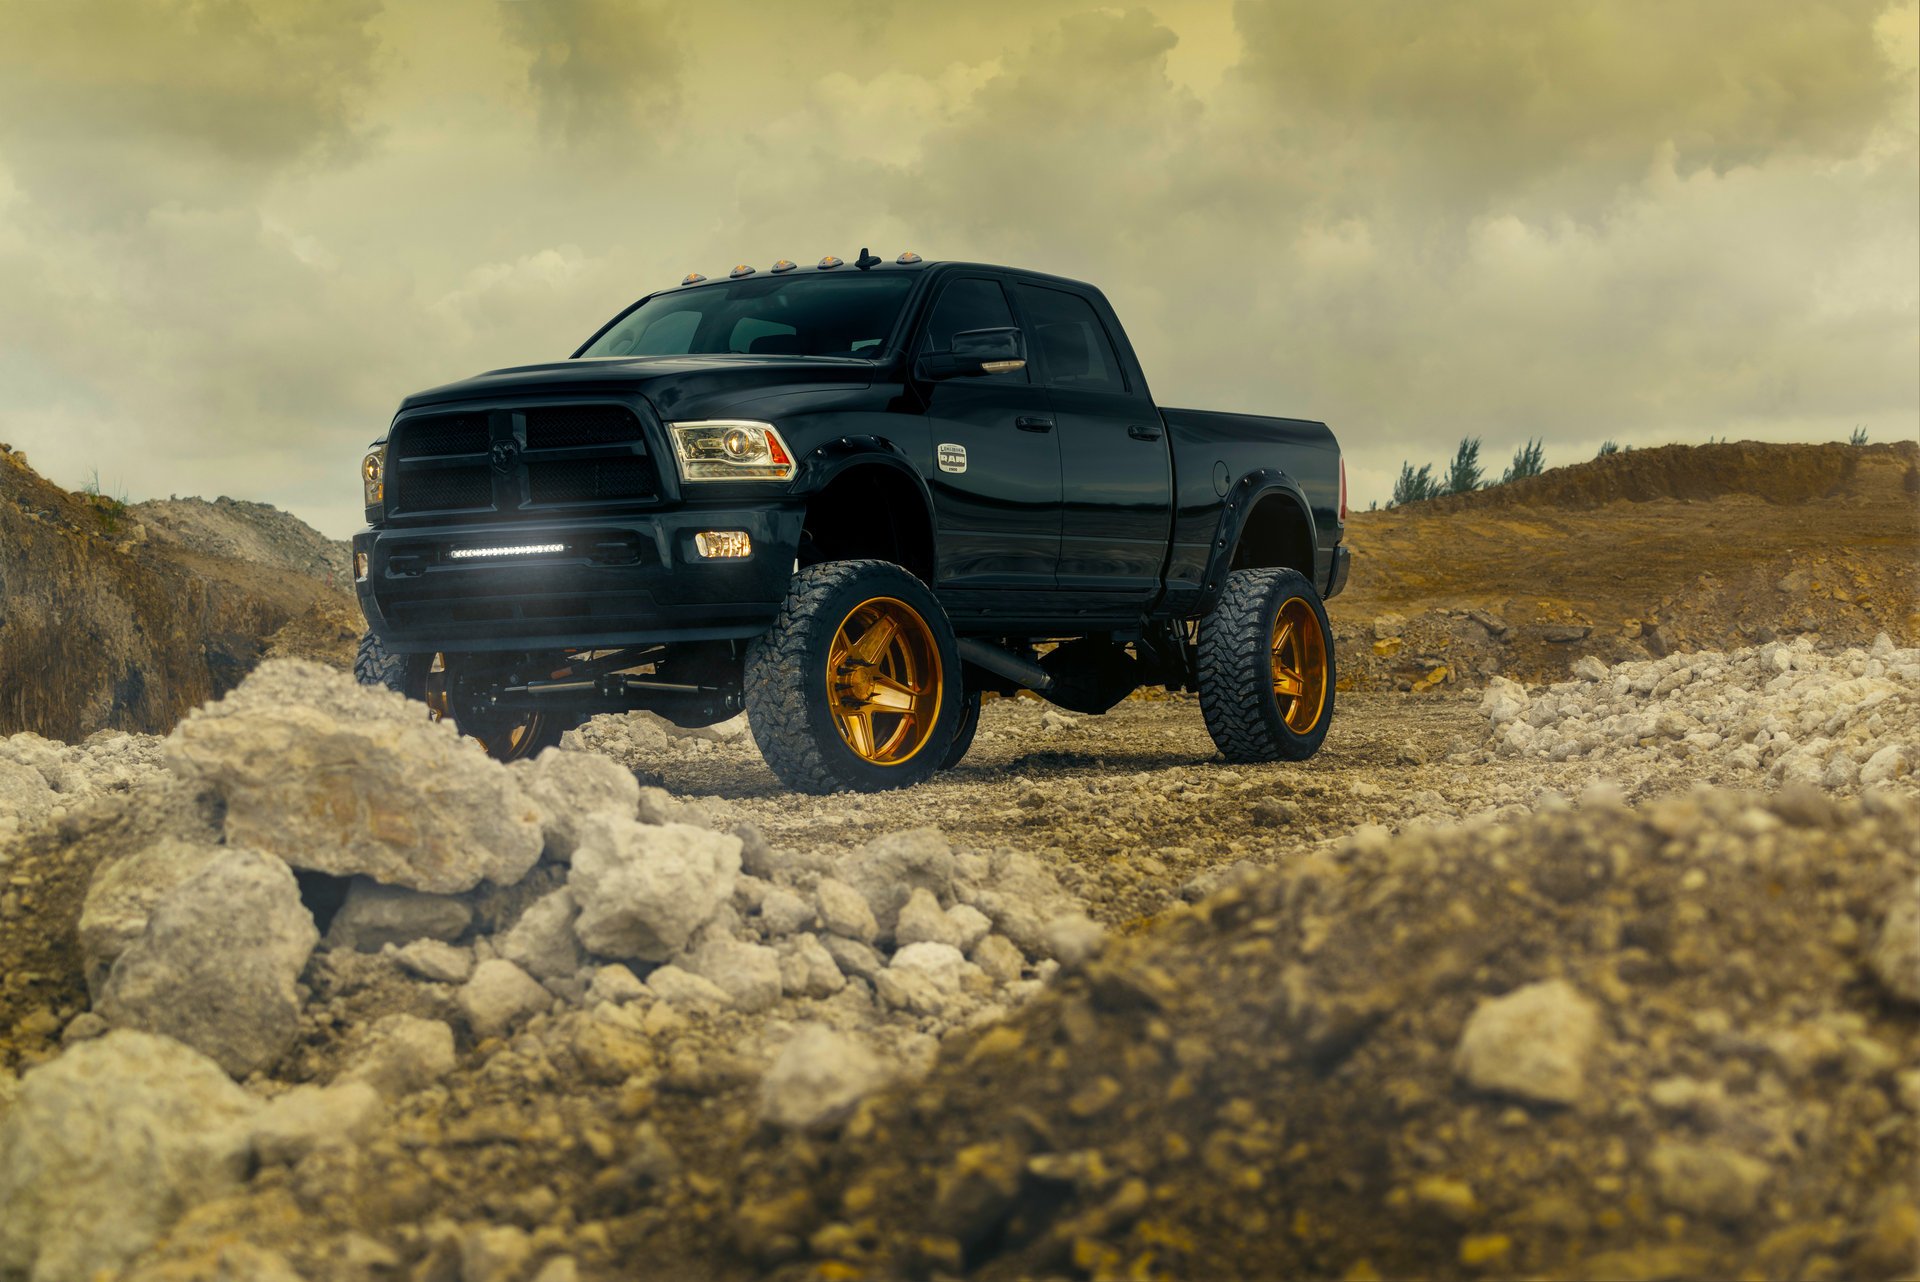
(908, 257)
(829, 262)
(692, 278)
(784, 265)
(738, 272)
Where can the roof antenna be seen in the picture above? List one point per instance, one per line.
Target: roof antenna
(866, 259)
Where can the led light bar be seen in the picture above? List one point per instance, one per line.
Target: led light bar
(524, 549)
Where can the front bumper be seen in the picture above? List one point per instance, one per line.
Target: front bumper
(1337, 573)
(617, 581)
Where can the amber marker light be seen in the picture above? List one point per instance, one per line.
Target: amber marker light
(723, 545)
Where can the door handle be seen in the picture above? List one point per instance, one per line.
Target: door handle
(1139, 433)
(1033, 423)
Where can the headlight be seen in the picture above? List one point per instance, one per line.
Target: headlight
(725, 449)
(373, 480)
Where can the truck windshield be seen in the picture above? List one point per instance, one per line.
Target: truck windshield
(840, 315)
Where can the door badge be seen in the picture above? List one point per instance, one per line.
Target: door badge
(952, 458)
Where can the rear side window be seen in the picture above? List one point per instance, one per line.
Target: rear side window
(970, 303)
(1068, 334)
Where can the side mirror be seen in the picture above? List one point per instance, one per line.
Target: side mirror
(976, 352)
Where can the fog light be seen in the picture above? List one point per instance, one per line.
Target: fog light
(719, 544)
(360, 567)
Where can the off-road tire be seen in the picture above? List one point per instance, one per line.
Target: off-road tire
(375, 665)
(964, 732)
(1243, 713)
(786, 680)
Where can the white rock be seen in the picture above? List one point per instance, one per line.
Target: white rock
(1884, 766)
(345, 778)
(373, 916)
(1504, 701)
(944, 964)
(679, 987)
(217, 964)
(571, 785)
(888, 869)
(1533, 1042)
(923, 921)
(433, 960)
(644, 889)
(807, 969)
(106, 1146)
(783, 913)
(1021, 895)
(997, 956)
(542, 941)
(402, 1054)
(25, 797)
(747, 973)
(311, 1117)
(817, 1079)
(499, 996)
(1588, 668)
(853, 957)
(970, 926)
(912, 991)
(1073, 938)
(615, 984)
(844, 911)
(122, 896)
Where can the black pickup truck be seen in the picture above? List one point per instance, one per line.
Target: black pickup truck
(849, 499)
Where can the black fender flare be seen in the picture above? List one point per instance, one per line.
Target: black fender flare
(828, 461)
(1239, 504)
(819, 469)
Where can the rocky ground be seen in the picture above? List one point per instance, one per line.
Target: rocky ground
(311, 989)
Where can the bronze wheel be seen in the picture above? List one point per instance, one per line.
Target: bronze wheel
(856, 684)
(504, 735)
(1266, 667)
(884, 681)
(1299, 661)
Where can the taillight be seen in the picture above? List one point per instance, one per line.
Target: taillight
(1343, 489)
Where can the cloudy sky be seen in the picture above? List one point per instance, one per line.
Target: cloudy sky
(233, 233)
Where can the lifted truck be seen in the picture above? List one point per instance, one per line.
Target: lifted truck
(849, 499)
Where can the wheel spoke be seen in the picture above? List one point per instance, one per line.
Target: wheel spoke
(873, 643)
(859, 726)
(1282, 635)
(893, 696)
(1288, 682)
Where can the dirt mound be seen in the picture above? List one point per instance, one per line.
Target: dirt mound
(1778, 473)
(1598, 1043)
(258, 533)
(1634, 556)
(109, 625)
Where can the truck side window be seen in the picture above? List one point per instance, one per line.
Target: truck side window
(970, 303)
(1071, 340)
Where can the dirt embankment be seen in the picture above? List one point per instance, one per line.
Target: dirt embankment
(1632, 556)
(122, 618)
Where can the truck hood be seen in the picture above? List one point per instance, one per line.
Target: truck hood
(672, 383)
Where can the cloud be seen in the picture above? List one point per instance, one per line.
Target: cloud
(1478, 98)
(601, 70)
(109, 107)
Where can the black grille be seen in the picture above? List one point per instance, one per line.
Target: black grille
(439, 488)
(454, 434)
(590, 481)
(562, 427)
(609, 460)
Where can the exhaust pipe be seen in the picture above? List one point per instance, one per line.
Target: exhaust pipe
(1005, 663)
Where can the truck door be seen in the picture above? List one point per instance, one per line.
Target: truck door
(1116, 474)
(996, 462)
